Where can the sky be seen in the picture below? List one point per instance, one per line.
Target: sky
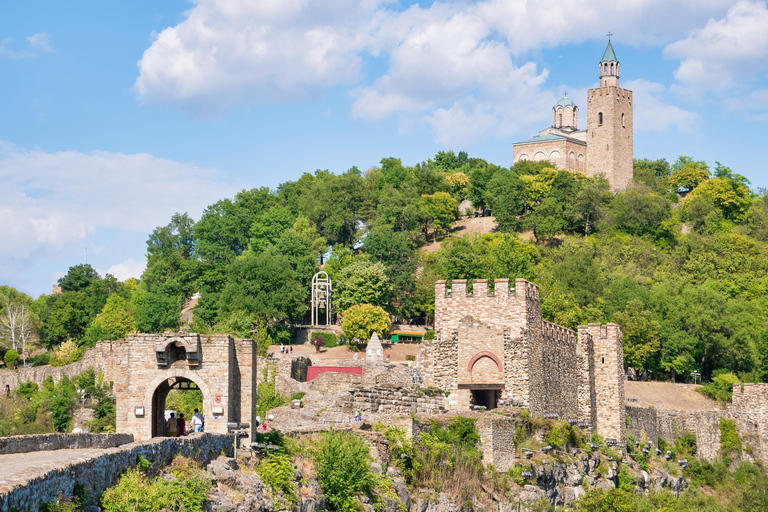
(115, 115)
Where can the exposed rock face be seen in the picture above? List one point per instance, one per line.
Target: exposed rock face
(556, 483)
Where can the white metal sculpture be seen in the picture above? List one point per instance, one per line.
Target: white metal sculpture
(321, 297)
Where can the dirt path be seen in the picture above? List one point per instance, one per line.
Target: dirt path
(668, 395)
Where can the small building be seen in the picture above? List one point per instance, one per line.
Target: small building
(405, 336)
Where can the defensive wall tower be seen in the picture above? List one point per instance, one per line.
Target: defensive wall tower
(494, 346)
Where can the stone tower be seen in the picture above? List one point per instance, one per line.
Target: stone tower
(609, 126)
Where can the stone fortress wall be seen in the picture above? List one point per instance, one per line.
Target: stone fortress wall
(497, 341)
(748, 410)
(98, 473)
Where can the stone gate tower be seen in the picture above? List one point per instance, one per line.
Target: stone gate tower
(609, 126)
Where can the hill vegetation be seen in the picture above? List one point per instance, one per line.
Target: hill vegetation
(679, 258)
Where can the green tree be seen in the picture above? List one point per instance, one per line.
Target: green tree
(440, 209)
(264, 289)
(687, 173)
(115, 319)
(640, 333)
(638, 210)
(78, 278)
(362, 282)
(359, 322)
(592, 201)
(160, 311)
(506, 196)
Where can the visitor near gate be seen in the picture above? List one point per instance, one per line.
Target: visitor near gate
(182, 424)
(197, 421)
(172, 426)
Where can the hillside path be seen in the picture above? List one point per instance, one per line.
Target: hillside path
(19, 468)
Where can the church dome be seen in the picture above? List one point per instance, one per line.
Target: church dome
(565, 102)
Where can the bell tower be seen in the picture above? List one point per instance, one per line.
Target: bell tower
(609, 125)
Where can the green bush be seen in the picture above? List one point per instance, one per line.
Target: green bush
(410, 357)
(11, 358)
(686, 444)
(41, 359)
(267, 396)
(278, 474)
(720, 388)
(343, 469)
(330, 339)
(730, 443)
(429, 335)
(137, 491)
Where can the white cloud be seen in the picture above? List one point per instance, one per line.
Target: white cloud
(653, 114)
(50, 200)
(726, 53)
(127, 269)
(37, 45)
(225, 54)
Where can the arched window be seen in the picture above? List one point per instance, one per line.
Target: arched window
(622, 121)
(611, 68)
(561, 121)
(606, 69)
(599, 118)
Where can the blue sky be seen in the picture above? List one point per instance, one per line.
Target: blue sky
(115, 115)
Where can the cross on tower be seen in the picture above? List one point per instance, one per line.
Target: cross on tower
(609, 36)
(565, 95)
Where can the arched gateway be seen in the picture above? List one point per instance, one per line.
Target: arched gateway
(145, 367)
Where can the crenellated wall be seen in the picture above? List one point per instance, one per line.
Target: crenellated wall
(498, 341)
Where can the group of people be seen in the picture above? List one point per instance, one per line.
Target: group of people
(284, 350)
(176, 427)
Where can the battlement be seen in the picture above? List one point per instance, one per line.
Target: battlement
(558, 333)
(458, 289)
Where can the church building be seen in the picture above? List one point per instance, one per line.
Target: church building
(605, 147)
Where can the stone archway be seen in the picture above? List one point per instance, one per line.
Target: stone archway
(159, 397)
(146, 366)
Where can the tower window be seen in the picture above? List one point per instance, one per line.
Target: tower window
(606, 68)
(611, 68)
(603, 360)
(622, 121)
(561, 120)
(599, 119)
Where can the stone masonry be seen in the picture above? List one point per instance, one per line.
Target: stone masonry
(146, 366)
(497, 343)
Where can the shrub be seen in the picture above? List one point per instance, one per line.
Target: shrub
(343, 469)
(317, 342)
(686, 444)
(277, 473)
(267, 396)
(41, 359)
(410, 357)
(429, 335)
(730, 443)
(66, 353)
(330, 339)
(137, 491)
(720, 388)
(11, 358)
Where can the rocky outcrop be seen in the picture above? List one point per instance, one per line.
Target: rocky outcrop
(557, 483)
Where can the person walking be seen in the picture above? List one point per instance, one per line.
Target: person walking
(172, 426)
(197, 421)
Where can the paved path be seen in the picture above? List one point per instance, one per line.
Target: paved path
(19, 468)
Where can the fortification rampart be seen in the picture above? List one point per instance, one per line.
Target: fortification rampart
(492, 346)
(46, 442)
(748, 410)
(98, 473)
(99, 358)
